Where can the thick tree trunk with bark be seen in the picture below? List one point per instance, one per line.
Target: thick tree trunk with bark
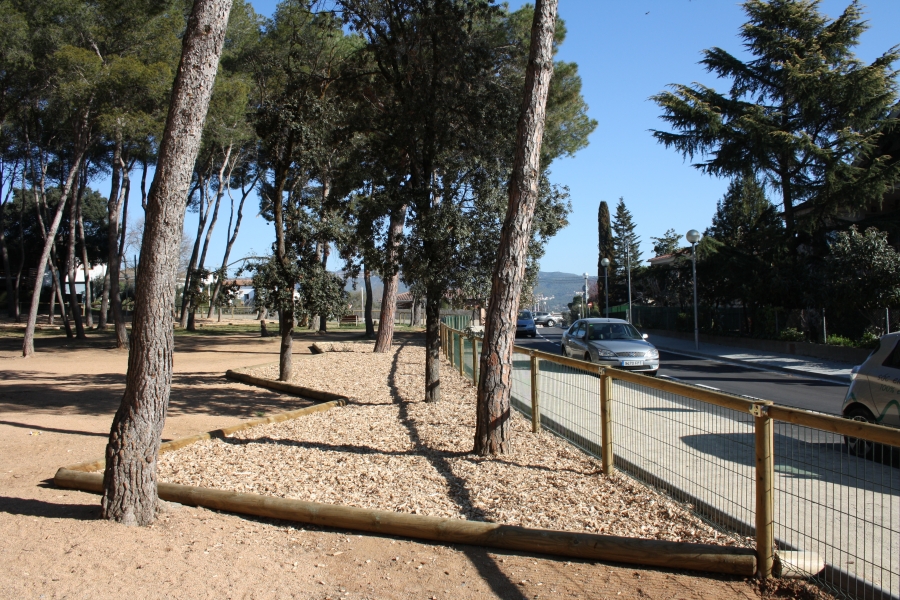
(28, 342)
(286, 354)
(104, 301)
(323, 319)
(129, 482)
(391, 282)
(433, 346)
(370, 325)
(492, 431)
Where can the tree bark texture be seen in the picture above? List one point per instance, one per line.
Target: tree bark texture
(28, 342)
(70, 264)
(286, 353)
(391, 282)
(114, 209)
(492, 432)
(129, 482)
(433, 347)
(88, 296)
(370, 325)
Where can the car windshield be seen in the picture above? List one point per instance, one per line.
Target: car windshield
(525, 314)
(614, 331)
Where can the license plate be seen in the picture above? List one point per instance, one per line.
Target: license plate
(632, 363)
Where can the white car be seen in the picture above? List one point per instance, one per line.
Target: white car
(611, 342)
(874, 392)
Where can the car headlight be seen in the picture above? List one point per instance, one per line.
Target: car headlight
(652, 353)
(603, 352)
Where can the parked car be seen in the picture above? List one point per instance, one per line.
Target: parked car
(874, 392)
(611, 342)
(525, 324)
(548, 319)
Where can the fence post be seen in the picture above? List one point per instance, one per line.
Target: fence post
(765, 489)
(462, 360)
(606, 443)
(535, 401)
(475, 361)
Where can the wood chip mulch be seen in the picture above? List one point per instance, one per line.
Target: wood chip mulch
(390, 450)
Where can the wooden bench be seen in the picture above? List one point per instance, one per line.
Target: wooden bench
(349, 320)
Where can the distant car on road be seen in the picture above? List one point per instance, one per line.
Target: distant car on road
(874, 392)
(548, 319)
(525, 324)
(611, 342)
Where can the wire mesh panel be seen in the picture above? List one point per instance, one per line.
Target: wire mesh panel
(520, 395)
(837, 513)
(697, 452)
(570, 404)
(467, 357)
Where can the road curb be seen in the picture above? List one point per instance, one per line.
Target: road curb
(842, 379)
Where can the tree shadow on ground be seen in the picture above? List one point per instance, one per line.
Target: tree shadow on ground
(30, 507)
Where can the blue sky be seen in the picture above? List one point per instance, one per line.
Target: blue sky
(626, 51)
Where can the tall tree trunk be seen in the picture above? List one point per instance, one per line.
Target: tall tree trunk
(104, 301)
(391, 281)
(286, 353)
(492, 430)
(21, 267)
(10, 295)
(58, 295)
(53, 292)
(114, 260)
(81, 142)
(370, 324)
(129, 482)
(433, 346)
(231, 239)
(323, 318)
(88, 295)
(70, 263)
(186, 299)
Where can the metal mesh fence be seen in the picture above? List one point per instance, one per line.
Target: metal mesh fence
(697, 452)
(570, 404)
(837, 515)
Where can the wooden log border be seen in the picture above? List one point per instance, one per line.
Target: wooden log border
(587, 546)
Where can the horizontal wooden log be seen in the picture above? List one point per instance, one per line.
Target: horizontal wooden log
(588, 546)
(97, 465)
(839, 425)
(281, 386)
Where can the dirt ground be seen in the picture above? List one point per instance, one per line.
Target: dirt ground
(56, 409)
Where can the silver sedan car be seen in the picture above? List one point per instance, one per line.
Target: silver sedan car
(611, 342)
(874, 392)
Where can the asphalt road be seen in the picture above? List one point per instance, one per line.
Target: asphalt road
(782, 388)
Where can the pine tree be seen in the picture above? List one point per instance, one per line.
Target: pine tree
(667, 244)
(804, 112)
(627, 250)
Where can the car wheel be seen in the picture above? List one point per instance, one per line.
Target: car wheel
(652, 373)
(587, 357)
(856, 446)
(551, 323)
(532, 335)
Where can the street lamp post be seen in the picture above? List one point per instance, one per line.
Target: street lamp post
(605, 263)
(584, 302)
(694, 236)
(628, 268)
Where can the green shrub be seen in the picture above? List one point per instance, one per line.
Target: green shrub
(868, 340)
(839, 340)
(791, 335)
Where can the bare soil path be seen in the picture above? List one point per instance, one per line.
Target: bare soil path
(56, 409)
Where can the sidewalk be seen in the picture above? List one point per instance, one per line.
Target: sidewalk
(801, 365)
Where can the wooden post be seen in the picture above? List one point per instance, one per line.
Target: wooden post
(462, 355)
(765, 496)
(606, 443)
(475, 361)
(535, 403)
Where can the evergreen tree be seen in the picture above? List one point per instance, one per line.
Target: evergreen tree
(604, 246)
(667, 244)
(804, 111)
(627, 251)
